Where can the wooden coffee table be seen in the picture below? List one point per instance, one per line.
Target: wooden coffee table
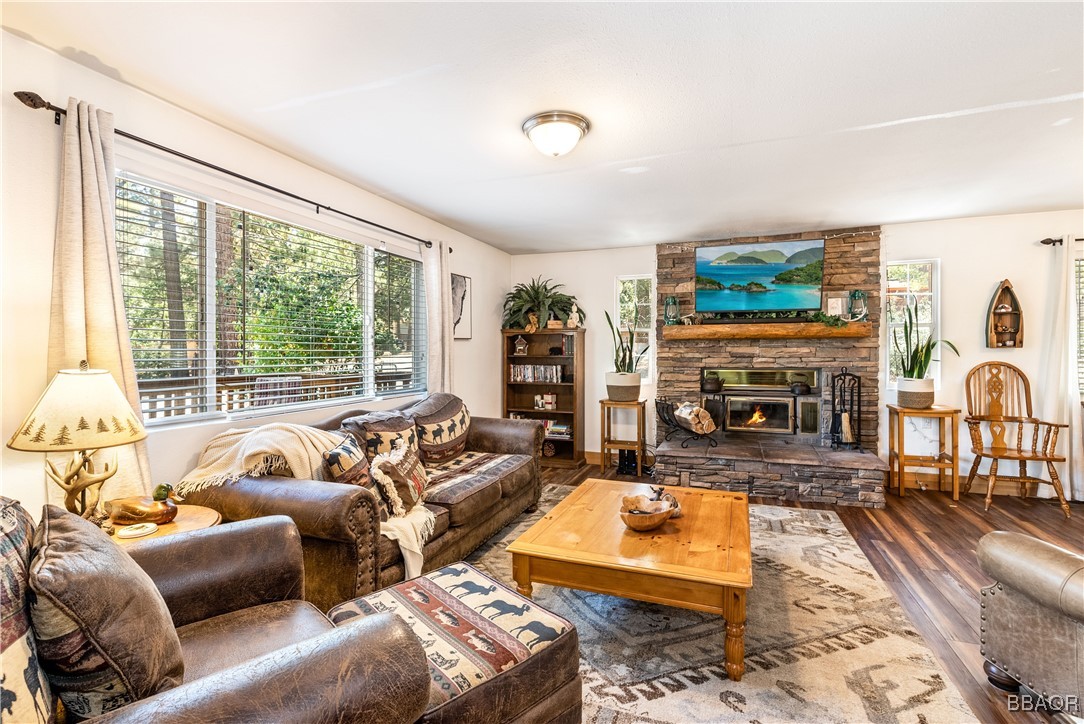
(699, 561)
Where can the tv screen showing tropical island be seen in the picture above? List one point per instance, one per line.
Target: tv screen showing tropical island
(783, 276)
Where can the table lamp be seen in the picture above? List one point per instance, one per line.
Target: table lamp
(81, 411)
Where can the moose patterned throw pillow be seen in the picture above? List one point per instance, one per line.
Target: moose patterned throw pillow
(349, 465)
(443, 422)
(381, 432)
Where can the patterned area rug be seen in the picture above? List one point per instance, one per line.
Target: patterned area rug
(824, 640)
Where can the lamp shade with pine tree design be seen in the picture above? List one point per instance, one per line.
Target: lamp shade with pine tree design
(81, 409)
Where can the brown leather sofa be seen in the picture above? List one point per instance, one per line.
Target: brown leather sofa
(345, 555)
(1032, 618)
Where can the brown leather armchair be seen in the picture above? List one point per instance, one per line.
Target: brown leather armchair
(254, 651)
(1032, 618)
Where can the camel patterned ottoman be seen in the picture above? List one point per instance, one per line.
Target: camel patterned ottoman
(494, 656)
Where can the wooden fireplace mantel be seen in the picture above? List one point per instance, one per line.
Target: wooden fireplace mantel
(799, 330)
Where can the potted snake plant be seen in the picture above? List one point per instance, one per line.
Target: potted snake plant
(914, 389)
(623, 384)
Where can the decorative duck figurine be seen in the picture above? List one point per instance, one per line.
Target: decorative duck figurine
(157, 508)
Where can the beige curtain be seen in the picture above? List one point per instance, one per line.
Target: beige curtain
(1057, 394)
(438, 306)
(87, 319)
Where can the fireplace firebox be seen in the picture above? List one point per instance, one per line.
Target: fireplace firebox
(760, 414)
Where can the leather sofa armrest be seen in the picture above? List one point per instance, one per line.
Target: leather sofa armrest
(371, 670)
(205, 573)
(498, 435)
(325, 510)
(1049, 575)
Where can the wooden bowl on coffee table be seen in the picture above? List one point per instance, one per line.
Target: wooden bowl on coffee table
(646, 521)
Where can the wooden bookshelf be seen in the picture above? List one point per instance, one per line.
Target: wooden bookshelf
(518, 397)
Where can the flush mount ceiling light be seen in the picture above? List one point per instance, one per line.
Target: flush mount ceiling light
(555, 133)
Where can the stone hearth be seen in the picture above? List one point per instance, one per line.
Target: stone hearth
(775, 468)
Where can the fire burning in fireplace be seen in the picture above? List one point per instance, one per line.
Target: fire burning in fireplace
(760, 414)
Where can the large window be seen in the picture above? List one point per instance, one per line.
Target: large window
(230, 310)
(914, 284)
(635, 309)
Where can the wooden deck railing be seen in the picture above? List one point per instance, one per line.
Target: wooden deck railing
(173, 397)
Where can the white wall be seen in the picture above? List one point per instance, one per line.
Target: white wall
(30, 176)
(976, 254)
(590, 276)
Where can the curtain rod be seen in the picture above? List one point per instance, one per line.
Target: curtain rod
(33, 100)
(1056, 242)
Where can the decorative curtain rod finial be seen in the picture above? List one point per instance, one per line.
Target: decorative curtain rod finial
(33, 100)
(1052, 242)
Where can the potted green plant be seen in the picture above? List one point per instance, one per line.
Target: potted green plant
(914, 389)
(623, 384)
(540, 297)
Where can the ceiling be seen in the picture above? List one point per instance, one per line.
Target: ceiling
(708, 120)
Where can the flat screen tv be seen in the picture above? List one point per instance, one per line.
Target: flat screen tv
(772, 277)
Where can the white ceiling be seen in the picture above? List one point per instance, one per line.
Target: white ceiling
(709, 120)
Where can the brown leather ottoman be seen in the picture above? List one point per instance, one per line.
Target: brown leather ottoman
(494, 656)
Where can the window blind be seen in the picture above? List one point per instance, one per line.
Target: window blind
(264, 313)
(1079, 269)
(161, 252)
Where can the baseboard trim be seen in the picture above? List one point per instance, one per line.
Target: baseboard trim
(916, 481)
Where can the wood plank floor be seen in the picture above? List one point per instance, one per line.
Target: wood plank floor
(923, 547)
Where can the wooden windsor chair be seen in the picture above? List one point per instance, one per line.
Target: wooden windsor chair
(999, 405)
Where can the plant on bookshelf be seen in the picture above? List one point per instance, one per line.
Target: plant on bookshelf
(541, 298)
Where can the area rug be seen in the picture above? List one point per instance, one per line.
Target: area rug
(824, 639)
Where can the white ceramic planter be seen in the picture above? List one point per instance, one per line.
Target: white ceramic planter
(916, 394)
(623, 386)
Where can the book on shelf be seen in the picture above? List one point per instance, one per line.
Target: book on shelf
(535, 373)
(554, 429)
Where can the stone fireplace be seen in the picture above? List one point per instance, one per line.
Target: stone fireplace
(786, 454)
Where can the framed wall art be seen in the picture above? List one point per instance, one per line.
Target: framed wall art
(461, 307)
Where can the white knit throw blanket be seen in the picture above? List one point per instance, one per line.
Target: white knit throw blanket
(260, 451)
(263, 450)
(411, 531)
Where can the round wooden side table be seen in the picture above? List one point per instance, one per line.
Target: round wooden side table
(189, 517)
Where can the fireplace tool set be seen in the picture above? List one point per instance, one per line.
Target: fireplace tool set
(846, 427)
